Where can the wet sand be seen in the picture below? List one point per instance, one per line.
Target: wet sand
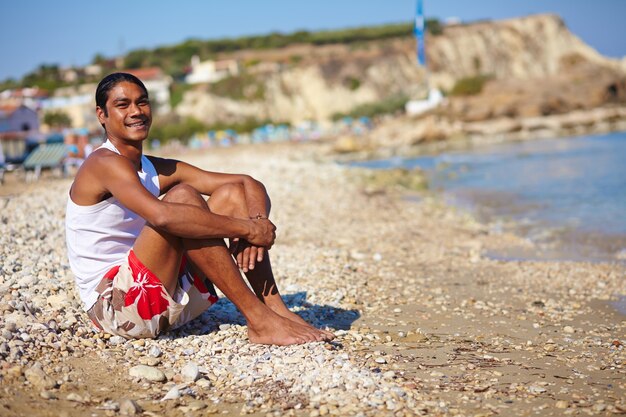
(426, 323)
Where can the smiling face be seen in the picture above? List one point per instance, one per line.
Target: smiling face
(127, 116)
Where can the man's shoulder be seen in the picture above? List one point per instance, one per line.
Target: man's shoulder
(102, 160)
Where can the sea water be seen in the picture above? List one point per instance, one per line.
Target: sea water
(567, 196)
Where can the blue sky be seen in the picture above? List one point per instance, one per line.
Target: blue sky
(71, 32)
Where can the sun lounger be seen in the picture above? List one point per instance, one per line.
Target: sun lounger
(50, 155)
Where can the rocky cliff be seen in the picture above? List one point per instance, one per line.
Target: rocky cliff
(305, 82)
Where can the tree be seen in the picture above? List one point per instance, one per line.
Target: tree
(57, 118)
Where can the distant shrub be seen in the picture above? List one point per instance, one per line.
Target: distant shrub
(240, 87)
(434, 27)
(57, 118)
(391, 104)
(182, 129)
(295, 59)
(469, 86)
(177, 92)
(353, 83)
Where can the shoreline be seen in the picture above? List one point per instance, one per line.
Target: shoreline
(425, 323)
(422, 137)
(550, 241)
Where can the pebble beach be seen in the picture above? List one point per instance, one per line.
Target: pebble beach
(425, 322)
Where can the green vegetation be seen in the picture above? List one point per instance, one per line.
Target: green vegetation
(57, 119)
(240, 87)
(174, 128)
(174, 59)
(353, 83)
(178, 90)
(183, 129)
(245, 126)
(47, 77)
(391, 104)
(470, 85)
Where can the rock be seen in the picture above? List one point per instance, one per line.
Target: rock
(561, 404)
(57, 301)
(190, 372)
(72, 396)
(154, 351)
(47, 395)
(116, 340)
(568, 329)
(224, 326)
(196, 405)
(535, 389)
(172, 394)
(38, 378)
(147, 372)
(381, 360)
(129, 407)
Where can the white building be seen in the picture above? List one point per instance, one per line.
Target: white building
(211, 71)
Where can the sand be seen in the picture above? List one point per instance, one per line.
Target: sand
(426, 324)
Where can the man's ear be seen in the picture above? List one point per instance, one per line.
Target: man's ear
(100, 114)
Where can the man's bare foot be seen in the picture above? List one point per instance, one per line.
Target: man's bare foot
(288, 314)
(278, 330)
(278, 306)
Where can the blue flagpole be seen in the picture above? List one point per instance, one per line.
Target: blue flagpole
(419, 34)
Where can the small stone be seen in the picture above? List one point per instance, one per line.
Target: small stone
(36, 376)
(47, 395)
(381, 360)
(389, 374)
(534, 389)
(172, 394)
(190, 372)
(116, 340)
(109, 405)
(599, 407)
(562, 404)
(568, 329)
(147, 372)
(129, 407)
(154, 351)
(196, 405)
(72, 396)
(204, 383)
(224, 326)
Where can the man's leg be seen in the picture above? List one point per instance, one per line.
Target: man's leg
(230, 200)
(161, 253)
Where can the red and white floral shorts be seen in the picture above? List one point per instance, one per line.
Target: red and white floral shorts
(133, 303)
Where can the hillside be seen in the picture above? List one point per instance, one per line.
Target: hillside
(528, 61)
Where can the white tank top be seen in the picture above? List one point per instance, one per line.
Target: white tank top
(99, 236)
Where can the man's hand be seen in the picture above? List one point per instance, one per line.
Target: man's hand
(248, 252)
(246, 255)
(262, 233)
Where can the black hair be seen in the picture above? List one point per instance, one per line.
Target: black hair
(110, 81)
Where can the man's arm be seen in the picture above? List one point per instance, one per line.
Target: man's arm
(118, 176)
(173, 172)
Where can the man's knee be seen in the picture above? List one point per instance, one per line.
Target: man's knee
(183, 193)
(228, 199)
(231, 193)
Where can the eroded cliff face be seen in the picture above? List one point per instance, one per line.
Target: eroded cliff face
(337, 78)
